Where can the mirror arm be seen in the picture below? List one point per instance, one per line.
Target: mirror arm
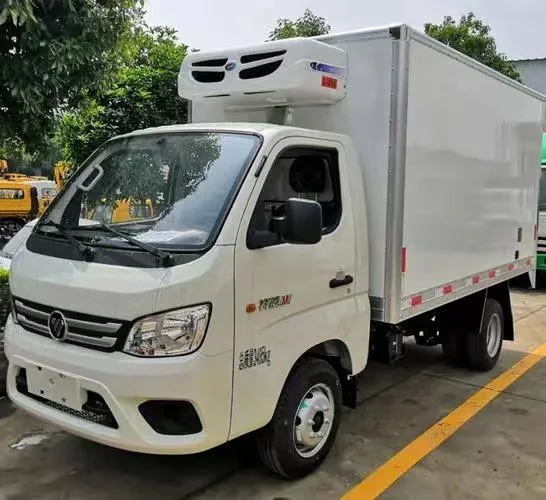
(278, 225)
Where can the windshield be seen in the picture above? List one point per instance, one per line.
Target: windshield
(170, 190)
(542, 190)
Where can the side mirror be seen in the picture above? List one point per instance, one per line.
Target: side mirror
(302, 222)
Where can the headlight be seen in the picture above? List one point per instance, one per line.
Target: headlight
(173, 333)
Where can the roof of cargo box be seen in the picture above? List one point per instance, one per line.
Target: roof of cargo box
(295, 72)
(385, 29)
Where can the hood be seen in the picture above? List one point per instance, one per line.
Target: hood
(85, 287)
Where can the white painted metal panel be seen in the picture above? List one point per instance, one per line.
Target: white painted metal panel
(472, 169)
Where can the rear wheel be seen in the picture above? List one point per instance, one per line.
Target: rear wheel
(483, 348)
(305, 422)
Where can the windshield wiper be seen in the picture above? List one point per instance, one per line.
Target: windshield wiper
(164, 257)
(86, 251)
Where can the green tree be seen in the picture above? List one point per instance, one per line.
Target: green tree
(50, 51)
(143, 94)
(305, 26)
(472, 37)
(23, 161)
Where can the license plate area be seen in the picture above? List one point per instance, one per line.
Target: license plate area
(54, 386)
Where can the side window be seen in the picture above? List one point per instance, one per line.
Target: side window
(303, 172)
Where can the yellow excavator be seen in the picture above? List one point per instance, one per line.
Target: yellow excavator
(61, 171)
(23, 198)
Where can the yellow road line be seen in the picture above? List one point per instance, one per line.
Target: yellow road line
(392, 470)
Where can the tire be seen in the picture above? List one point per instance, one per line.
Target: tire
(454, 347)
(278, 447)
(484, 347)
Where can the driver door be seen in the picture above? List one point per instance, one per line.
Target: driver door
(289, 297)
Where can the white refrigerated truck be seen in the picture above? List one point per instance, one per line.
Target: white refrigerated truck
(330, 197)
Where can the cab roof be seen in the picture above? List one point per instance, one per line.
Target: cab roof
(264, 129)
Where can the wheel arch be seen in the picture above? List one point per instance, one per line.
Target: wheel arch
(336, 353)
(473, 308)
(501, 293)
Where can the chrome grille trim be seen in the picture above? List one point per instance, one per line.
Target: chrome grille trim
(31, 312)
(80, 339)
(96, 341)
(32, 324)
(81, 329)
(96, 327)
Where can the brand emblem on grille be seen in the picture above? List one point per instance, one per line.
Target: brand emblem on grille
(57, 326)
(230, 66)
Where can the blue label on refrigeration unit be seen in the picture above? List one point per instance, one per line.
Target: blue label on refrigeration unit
(327, 68)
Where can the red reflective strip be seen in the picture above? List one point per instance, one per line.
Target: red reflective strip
(529, 261)
(416, 301)
(510, 267)
(403, 257)
(475, 279)
(448, 289)
(492, 274)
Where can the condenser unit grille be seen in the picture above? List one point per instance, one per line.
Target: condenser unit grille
(208, 76)
(260, 71)
(261, 56)
(214, 70)
(214, 63)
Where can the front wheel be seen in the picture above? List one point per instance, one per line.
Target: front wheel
(305, 422)
(483, 348)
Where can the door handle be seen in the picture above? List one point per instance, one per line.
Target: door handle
(337, 282)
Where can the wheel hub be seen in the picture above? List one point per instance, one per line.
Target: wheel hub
(313, 420)
(493, 336)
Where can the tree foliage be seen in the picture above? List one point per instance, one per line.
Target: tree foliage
(472, 37)
(29, 162)
(49, 51)
(143, 93)
(305, 26)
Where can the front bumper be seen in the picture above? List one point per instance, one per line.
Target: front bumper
(124, 382)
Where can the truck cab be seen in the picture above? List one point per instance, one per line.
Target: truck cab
(266, 209)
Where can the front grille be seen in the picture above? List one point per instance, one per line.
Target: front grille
(82, 329)
(95, 410)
